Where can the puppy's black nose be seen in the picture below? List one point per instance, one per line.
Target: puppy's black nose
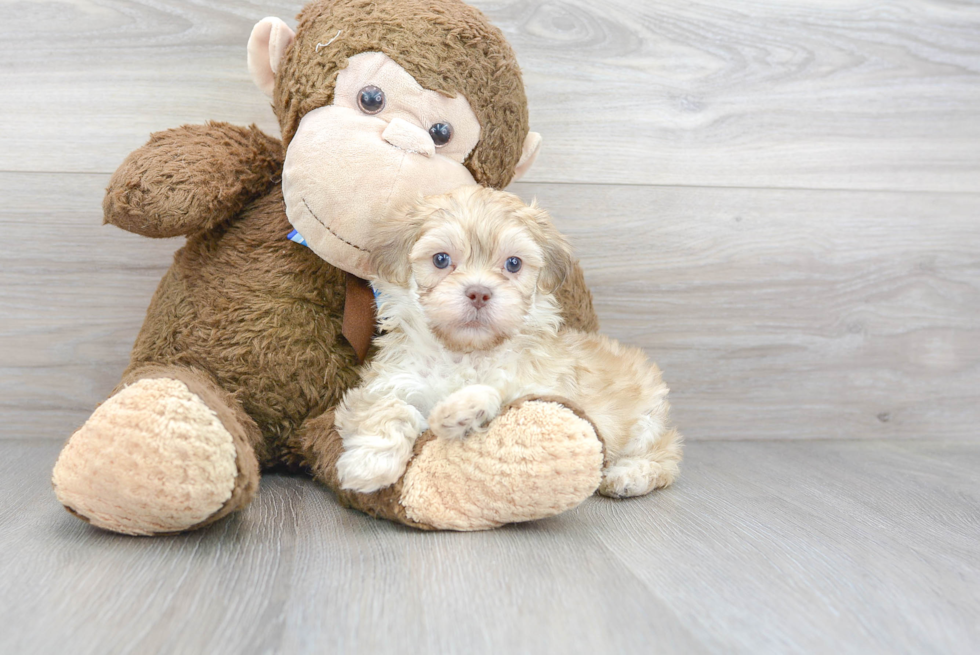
(479, 295)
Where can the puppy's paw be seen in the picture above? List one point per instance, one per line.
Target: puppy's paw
(374, 463)
(464, 411)
(629, 477)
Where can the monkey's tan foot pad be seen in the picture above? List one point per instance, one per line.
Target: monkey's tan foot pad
(152, 458)
(537, 459)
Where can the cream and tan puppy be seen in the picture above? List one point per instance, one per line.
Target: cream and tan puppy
(470, 324)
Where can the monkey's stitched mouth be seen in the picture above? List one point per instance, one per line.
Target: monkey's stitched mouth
(327, 228)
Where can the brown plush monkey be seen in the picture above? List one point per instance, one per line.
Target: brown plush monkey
(243, 352)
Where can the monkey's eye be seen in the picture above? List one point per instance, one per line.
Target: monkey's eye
(441, 260)
(441, 133)
(513, 264)
(371, 99)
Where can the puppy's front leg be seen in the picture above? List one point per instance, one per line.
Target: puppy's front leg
(464, 411)
(378, 435)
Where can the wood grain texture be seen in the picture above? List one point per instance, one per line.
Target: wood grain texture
(804, 94)
(783, 314)
(853, 95)
(760, 548)
(73, 294)
(840, 547)
(775, 314)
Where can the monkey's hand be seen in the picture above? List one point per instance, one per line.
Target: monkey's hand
(192, 178)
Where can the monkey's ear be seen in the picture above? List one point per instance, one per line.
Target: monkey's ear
(269, 40)
(532, 145)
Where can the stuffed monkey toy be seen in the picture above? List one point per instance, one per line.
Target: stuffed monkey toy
(251, 338)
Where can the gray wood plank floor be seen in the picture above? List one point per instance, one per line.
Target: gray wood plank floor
(805, 547)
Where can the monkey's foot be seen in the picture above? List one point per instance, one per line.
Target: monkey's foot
(153, 458)
(537, 459)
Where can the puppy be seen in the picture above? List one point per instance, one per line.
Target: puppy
(469, 323)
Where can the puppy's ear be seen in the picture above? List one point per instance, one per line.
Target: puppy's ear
(557, 252)
(391, 248)
(392, 245)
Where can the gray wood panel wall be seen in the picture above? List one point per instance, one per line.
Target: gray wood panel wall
(780, 201)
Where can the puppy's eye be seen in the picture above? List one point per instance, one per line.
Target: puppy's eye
(513, 264)
(441, 133)
(441, 260)
(371, 99)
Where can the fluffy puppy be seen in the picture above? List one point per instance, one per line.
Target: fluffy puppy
(469, 323)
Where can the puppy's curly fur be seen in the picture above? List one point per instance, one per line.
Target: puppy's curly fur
(470, 323)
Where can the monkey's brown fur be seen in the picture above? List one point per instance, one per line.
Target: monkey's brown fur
(252, 321)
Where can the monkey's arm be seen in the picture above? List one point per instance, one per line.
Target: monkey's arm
(191, 178)
(576, 302)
